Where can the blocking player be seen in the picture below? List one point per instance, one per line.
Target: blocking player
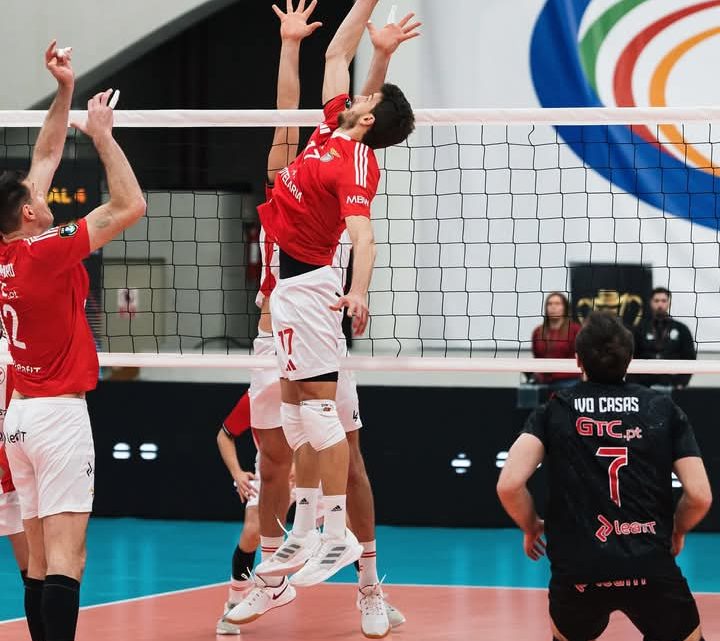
(328, 188)
(43, 287)
(264, 392)
(612, 533)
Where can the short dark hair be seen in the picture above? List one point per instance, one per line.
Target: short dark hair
(661, 290)
(394, 119)
(13, 195)
(605, 348)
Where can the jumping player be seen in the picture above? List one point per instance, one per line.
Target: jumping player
(265, 400)
(329, 187)
(612, 534)
(43, 287)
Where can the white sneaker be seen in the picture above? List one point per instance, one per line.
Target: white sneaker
(291, 555)
(224, 627)
(395, 617)
(260, 600)
(334, 554)
(374, 621)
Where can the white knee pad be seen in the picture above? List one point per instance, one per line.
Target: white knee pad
(292, 426)
(321, 424)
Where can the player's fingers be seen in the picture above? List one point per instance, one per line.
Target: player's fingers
(278, 11)
(50, 51)
(301, 7)
(105, 96)
(412, 27)
(78, 126)
(371, 28)
(289, 6)
(406, 19)
(315, 26)
(341, 302)
(309, 11)
(541, 543)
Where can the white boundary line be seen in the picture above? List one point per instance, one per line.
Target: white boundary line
(388, 585)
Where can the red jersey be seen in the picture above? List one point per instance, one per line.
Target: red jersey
(43, 287)
(335, 177)
(6, 388)
(555, 343)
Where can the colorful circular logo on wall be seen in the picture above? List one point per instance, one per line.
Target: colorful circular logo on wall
(644, 53)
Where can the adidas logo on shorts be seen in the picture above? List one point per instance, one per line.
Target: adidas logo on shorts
(337, 508)
(304, 502)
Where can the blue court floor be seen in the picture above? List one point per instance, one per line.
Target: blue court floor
(130, 558)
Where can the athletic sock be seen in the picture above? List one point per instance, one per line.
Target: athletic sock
(306, 500)
(60, 605)
(242, 564)
(335, 515)
(368, 564)
(33, 608)
(268, 546)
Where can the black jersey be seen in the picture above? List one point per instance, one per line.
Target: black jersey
(610, 451)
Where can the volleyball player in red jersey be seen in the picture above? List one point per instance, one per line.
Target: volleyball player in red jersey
(329, 187)
(43, 288)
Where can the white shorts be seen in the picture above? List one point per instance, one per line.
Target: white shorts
(10, 518)
(265, 397)
(307, 331)
(50, 448)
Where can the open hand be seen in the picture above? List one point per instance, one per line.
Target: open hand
(293, 23)
(357, 309)
(392, 35)
(99, 116)
(58, 63)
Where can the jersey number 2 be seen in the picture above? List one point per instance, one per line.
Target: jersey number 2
(12, 335)
(620, 459)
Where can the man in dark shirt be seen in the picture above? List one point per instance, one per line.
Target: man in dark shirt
(610, 448)
(661, 336)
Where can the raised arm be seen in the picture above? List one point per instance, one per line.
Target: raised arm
(342, 49)
(385, 43)
(51, 140)
(293, 30)
(126, 205)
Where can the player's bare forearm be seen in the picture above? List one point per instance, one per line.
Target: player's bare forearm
(689, 513)
(123, 186)
(378, 72)
(364, 252)
(344, 46)
(288, 90)
(228, 453)
(51, 140)
(519, 505)
(286, 139)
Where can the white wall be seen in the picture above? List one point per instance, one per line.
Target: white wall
(99, 30)
(464, 55)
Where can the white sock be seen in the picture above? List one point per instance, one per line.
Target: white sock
(268, 546)
(237, 590)
(306, 500)
(335, 515)
(368, 565)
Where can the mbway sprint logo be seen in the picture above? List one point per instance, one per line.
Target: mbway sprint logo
(644, 53)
